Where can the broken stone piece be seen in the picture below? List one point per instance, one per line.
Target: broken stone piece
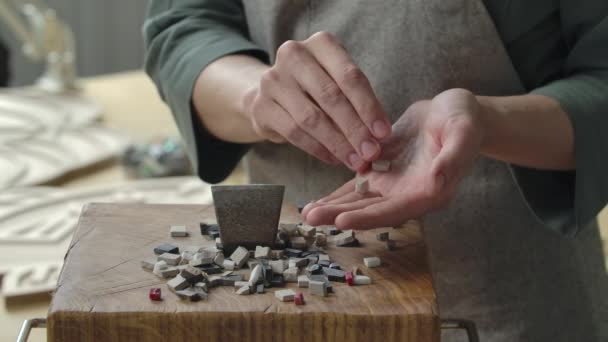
(262, 252)
(317, 288)
(169, 272)
(244, 290)
(320, 239)
(293, 252)
(192, 295)
(186, 257)
(371, 262)
(155, 294)
(277, 280)
(324, 263)
(381, 165)
(178, 231)
(201, 259)
(230, 280)
(240, 256)
(201, 285)
(228, 265)
(291, 275)
(219, 259)
(298, 262)
(204, 228)
(303, 281)
(159, 266)
(307, 231)
(251, 263)
(148, 264)
(362, 280)
(291, 229)
(334, 275)
(178, 283)
(285, 295)
(362, 185)
(218, 243)
(324, 257)
(345, 238)
(170, 259)
(210, 269)
(335, 266)
(298, 242)
(192, 274)
(255, 276)
(314, 269)
(382, 236)
(276, 254)
(278, 266)
(166, 248)
(331, 230)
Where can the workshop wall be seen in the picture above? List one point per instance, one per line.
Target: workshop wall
(108, 38)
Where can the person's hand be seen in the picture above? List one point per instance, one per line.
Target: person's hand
(317, 99)
(432, 147)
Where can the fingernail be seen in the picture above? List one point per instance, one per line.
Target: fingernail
(381, 129)
(355, 160)
(369, 149)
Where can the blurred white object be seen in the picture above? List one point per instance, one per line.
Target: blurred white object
(37, 223)
(44, 37)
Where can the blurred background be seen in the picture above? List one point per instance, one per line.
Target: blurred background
(108, 38)
(79, 122)
(110, 139)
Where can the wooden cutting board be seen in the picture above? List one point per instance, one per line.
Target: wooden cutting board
(102, 292)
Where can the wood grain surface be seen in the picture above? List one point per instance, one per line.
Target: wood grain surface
(102, 291)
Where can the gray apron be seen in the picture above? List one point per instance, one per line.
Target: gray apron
(492, 260)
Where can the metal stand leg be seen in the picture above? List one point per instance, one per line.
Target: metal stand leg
(460, 324)
(27, 327)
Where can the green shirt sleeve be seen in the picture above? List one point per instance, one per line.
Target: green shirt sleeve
(569, 201)
(181, 38)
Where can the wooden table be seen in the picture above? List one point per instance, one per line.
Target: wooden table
(102, 293)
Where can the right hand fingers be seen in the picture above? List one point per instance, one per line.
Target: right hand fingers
(312, 119)
(295, 62)
(354, 84)
(272, 123)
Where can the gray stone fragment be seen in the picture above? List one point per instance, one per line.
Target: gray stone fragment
(291, 275)
(178, 283)
(262, 252)
(317, 288)
(278, 266)
(303, 281)
(148, 264)
(286, 295)
(170, 258)
(240, 256)
(334, 275)
(382, 236)
(255, 276)
(244, 290)
(192, 274)
(178, 231)
(166, 248)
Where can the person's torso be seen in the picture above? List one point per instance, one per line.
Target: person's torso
(492, 260)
